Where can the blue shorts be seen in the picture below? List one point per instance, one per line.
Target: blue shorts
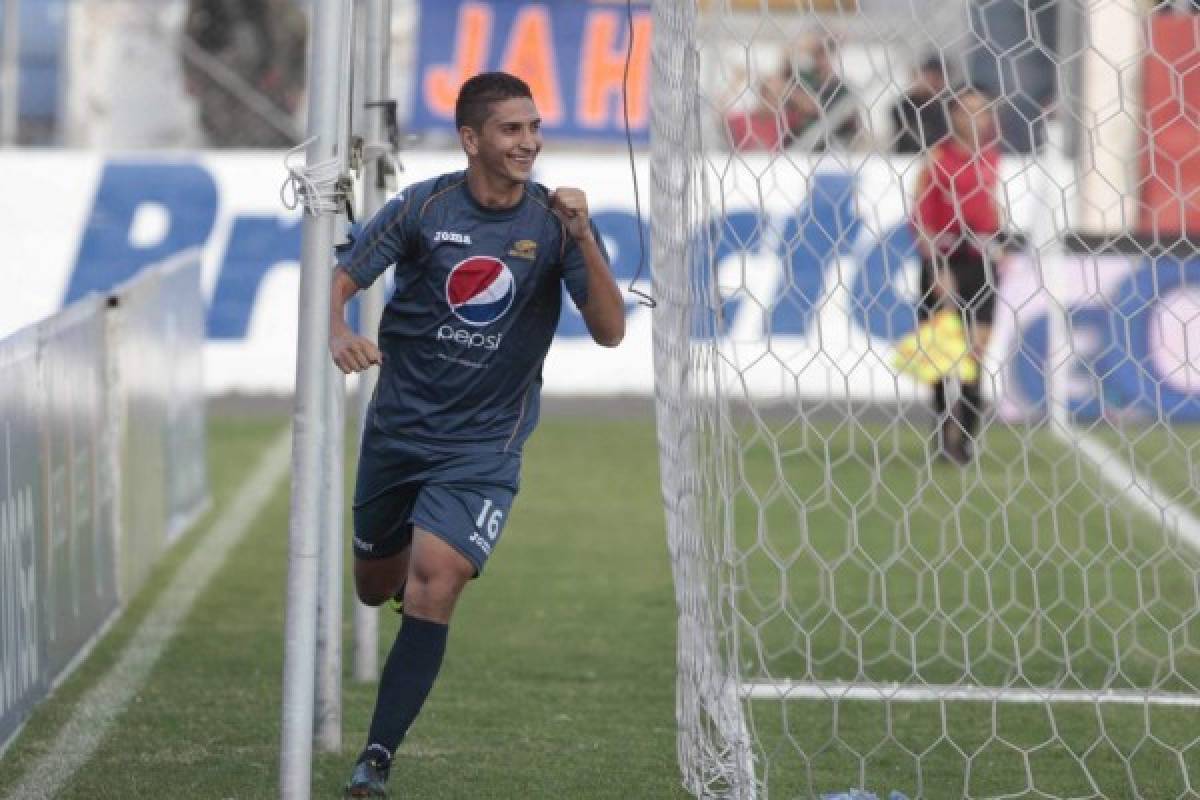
(462, 498)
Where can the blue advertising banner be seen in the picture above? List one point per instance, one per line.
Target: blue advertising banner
(571, 53)
(826, 264)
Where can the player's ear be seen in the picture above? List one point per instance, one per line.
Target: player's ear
(469, 137)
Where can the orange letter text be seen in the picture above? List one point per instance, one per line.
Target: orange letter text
(602, 69)
(442, 82)
(530, 56)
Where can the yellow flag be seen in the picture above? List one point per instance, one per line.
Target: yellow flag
(936, 349)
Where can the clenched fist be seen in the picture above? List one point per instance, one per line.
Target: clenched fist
(570, 206)
(353, 353)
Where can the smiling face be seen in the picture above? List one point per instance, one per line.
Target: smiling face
(507, 143)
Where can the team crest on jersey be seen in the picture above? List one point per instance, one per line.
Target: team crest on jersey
(480, 290)
(526, 248)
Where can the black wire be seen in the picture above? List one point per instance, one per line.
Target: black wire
(645, 299)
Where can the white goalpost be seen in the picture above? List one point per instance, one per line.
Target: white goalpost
(311, 486)
(346, 149)
(854, 611)
(373, 114)
(324, 186)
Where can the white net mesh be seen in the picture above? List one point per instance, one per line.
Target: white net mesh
(992, 597)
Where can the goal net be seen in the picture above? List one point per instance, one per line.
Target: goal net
(993, 594)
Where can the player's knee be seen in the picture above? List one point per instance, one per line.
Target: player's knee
(433, 594)
(377, 582)
(435, 587)
(370, 595)
(371, 591)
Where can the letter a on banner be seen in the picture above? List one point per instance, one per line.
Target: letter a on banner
(530, 57)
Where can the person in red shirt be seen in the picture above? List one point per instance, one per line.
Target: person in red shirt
(957, 225)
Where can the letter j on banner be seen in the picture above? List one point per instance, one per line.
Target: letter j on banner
(571, 53)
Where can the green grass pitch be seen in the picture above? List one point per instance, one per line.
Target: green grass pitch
(1040, 574)
(559, 681)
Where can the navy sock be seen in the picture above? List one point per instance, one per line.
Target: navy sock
(408, 675)
(939, 399)
(971, 406)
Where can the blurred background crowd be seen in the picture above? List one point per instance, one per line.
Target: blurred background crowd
(823, 74)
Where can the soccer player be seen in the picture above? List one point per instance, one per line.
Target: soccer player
(481, 258)
(957, 223)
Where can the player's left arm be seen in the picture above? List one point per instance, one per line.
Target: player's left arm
(604, 309)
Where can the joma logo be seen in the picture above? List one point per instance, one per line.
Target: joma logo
(454, 238)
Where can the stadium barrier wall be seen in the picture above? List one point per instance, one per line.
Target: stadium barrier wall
(102, 465)
(159, 416)
(834, 255)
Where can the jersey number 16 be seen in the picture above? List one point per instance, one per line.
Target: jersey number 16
(493, 521)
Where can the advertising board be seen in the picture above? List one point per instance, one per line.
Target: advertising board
(813, 258)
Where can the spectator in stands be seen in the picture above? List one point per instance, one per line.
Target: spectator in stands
(919, 116)
(806, 103)
(246, 51)
(764, 125)
(1177, 6)
(957, 227)
(821, 109)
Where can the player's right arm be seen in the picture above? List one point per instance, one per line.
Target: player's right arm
(351, 352)
(926, 199)
(929, 223)
(383, 242)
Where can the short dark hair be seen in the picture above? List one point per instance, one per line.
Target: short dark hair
(932, 63)
(477, 95)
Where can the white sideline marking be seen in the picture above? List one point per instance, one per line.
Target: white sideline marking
(104, 702)
(841, 690)
(1140, 490)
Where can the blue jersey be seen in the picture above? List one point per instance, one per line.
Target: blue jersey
(477, 300)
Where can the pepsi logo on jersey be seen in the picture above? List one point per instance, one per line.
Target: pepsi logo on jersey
(480, 290)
